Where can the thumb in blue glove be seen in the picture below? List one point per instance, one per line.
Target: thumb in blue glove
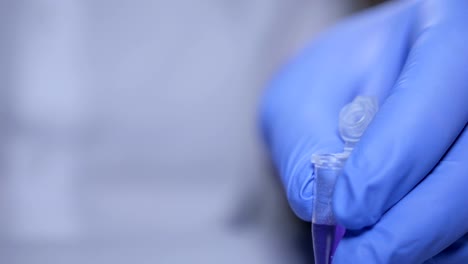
(407, 174)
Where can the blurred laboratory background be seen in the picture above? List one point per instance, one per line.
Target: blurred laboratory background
(129, 130)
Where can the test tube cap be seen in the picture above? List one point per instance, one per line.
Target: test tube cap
(356, 116)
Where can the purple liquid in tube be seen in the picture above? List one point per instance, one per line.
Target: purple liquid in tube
(324, 240)
(339, 234)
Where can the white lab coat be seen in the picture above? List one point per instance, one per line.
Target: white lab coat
(129, 131)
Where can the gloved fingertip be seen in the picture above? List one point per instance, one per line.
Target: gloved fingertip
(355, 250)
(349, 204)
(300, 205)
(300, 190)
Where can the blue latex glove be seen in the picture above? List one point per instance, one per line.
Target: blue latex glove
(404, 188)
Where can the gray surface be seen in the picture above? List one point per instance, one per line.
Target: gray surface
(129, 130)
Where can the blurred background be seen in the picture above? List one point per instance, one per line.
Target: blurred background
(128, 129)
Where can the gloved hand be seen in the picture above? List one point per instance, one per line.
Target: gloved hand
(402, 195)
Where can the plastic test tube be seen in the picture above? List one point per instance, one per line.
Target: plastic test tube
(326, 234)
